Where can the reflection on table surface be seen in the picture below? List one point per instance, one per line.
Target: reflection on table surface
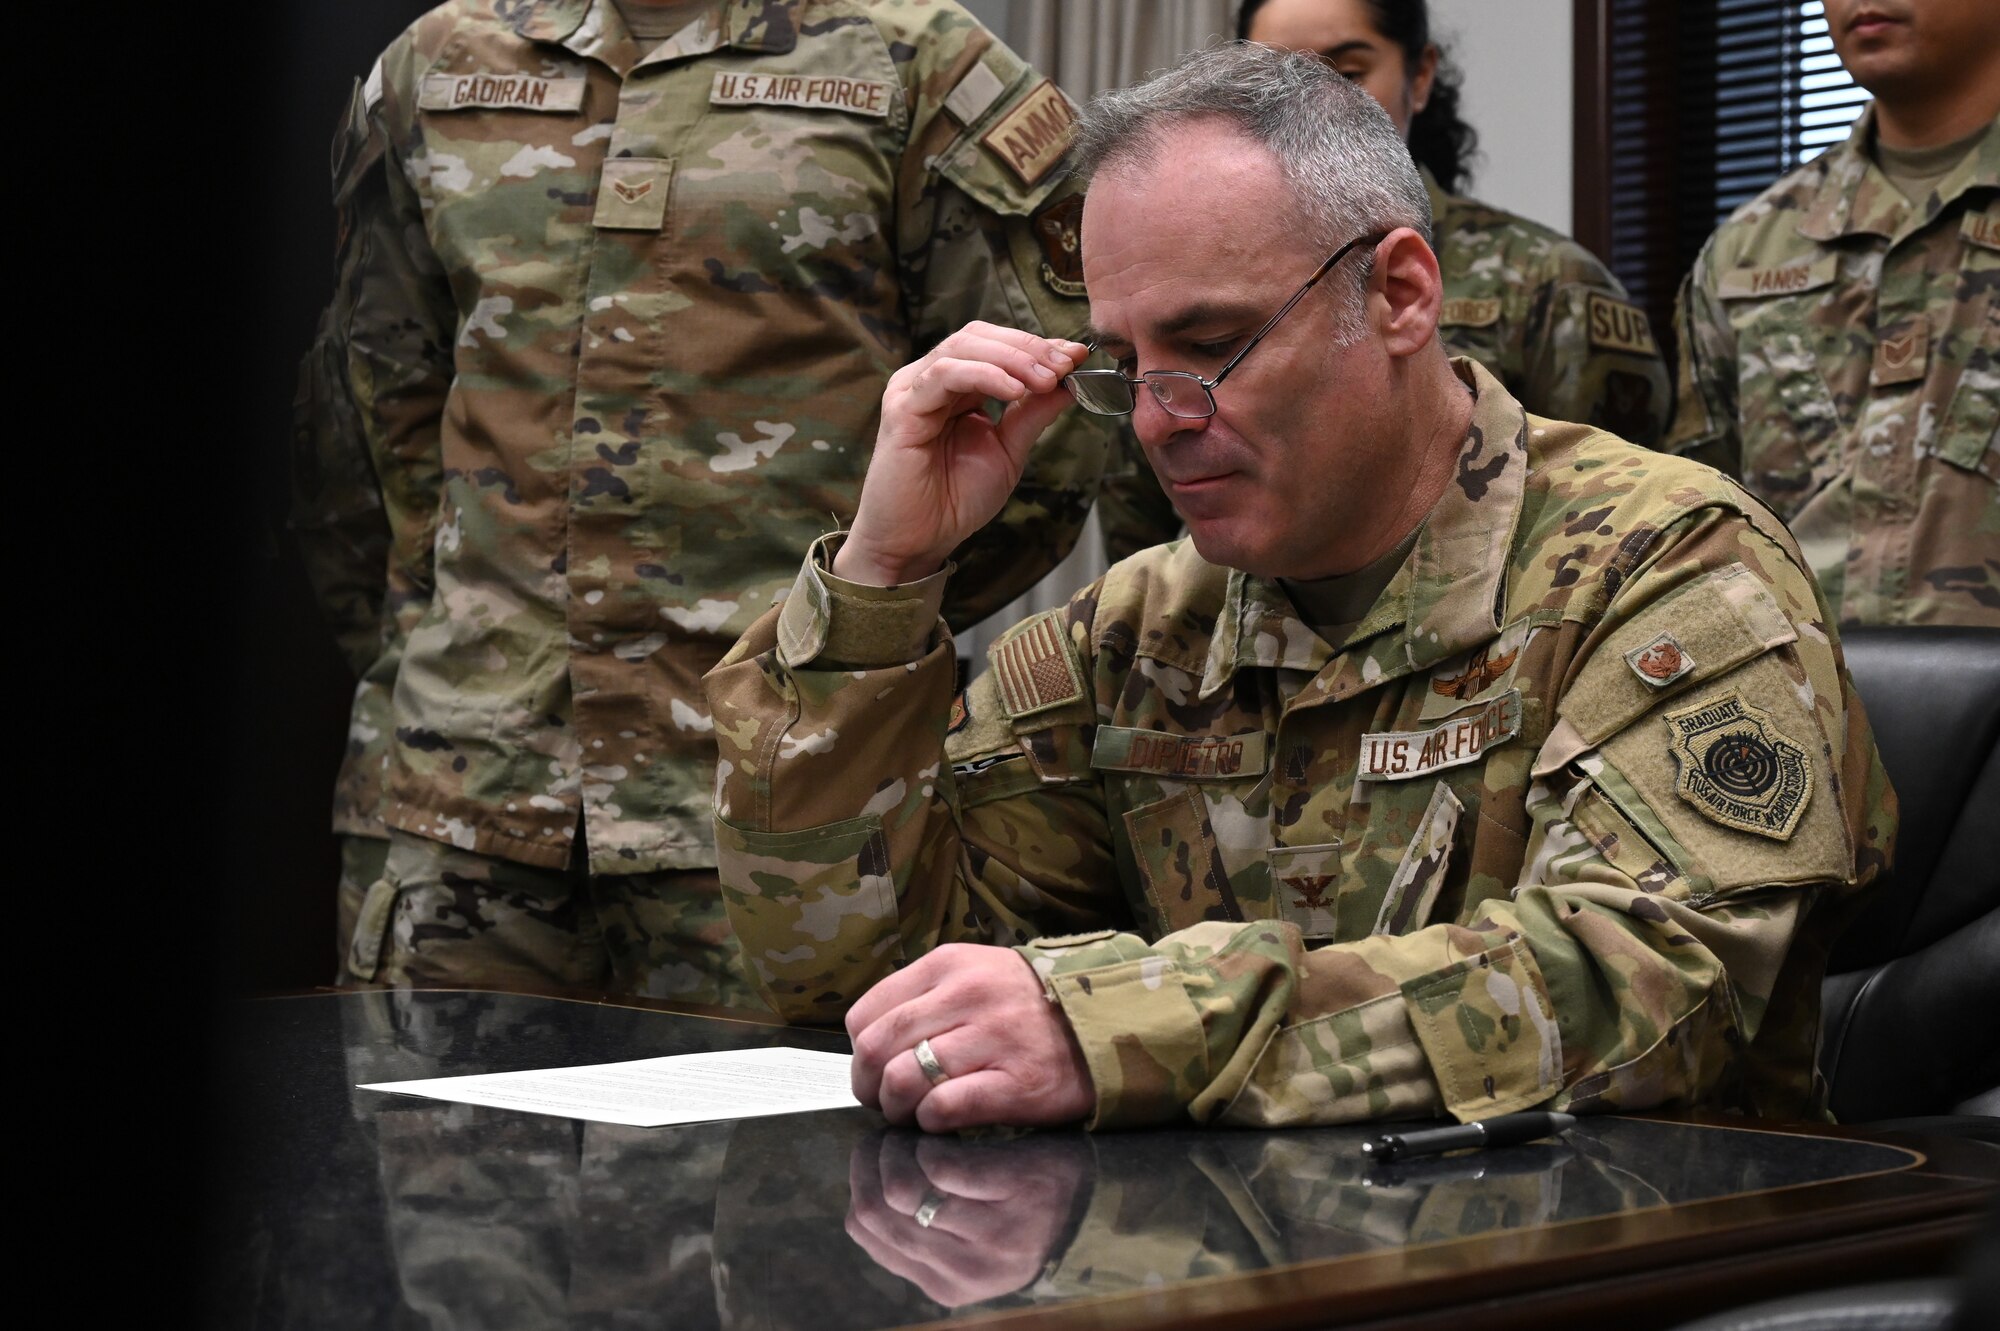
(355, 1207)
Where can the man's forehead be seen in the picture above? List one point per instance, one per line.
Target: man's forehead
(1190, 233)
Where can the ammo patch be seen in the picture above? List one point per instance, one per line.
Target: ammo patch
(814, 92)
(1618, 326)
(1470, 311)
(1033, 136)
(1187, 757)
(1902, 357)
(1779, 280)
(1660, 662)
(633, 194)
(513, 92)
(1737, 768)
(1035, 670)
(1059, 229)
(1399, 755)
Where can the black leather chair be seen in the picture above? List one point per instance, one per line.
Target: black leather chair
(1912, 996)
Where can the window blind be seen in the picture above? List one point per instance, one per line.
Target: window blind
(1702, 104)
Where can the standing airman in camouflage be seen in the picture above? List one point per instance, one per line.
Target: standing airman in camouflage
(1534, 307)
(1461, 760)
(1840, 333)
(619, 287)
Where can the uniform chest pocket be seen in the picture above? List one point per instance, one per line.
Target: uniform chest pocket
(1786, 322)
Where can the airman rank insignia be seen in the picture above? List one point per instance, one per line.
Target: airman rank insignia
(1660, 662)
(1034, 669)
(1982, 229)
(1902, 356)
(1736, 767)
(1059, 229)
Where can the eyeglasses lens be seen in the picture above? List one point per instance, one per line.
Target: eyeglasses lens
(1103, 391)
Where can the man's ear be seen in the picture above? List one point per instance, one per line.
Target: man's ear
(1407, 292)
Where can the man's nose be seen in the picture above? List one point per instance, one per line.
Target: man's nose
(1155, 425)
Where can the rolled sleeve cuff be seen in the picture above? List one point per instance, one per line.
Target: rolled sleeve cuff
(1140, 1033)
(833, 623)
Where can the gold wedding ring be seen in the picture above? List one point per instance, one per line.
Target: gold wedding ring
(933, 1070)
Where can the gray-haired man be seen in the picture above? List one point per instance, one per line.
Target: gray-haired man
(1459, 761)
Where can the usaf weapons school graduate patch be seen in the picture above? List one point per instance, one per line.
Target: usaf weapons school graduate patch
(1739, 769)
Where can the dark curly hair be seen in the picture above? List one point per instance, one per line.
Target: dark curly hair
(1440, 140)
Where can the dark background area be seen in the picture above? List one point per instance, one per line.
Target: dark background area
(289, 697)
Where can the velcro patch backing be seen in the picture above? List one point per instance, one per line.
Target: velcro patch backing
(1715, 623)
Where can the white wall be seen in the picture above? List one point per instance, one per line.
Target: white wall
(1516, 58)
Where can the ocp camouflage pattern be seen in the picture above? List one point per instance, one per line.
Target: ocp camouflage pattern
(609, 341)
(1582, 936)
(1840, 353)
(1534, 307)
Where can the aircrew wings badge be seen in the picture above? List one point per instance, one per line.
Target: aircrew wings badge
(1738, 769)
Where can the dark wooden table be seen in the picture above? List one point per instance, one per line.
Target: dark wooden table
(355, 1208)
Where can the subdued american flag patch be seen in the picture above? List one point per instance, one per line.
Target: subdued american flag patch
(1034, 668)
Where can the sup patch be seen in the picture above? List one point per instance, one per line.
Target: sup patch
(1739, 769)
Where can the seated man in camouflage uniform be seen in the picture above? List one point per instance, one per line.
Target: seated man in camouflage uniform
(1460, 760)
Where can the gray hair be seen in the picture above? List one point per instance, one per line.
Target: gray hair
(1349, 170)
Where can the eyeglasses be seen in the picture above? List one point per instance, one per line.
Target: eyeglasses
(1179, 392)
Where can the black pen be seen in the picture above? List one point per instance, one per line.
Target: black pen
(1506, 1130)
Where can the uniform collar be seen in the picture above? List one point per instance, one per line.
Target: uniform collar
(592, 27)
(1855, 198)
(1440, 201)
(1444, 600)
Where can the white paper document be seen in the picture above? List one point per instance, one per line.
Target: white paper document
(653, 1092)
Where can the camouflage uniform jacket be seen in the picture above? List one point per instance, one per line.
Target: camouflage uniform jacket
(1569, 819)
(613, 332)
(1840, 353)
(1531, 305)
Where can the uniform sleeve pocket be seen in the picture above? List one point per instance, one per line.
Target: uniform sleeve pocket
(814, 911)
(1489, 1031)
